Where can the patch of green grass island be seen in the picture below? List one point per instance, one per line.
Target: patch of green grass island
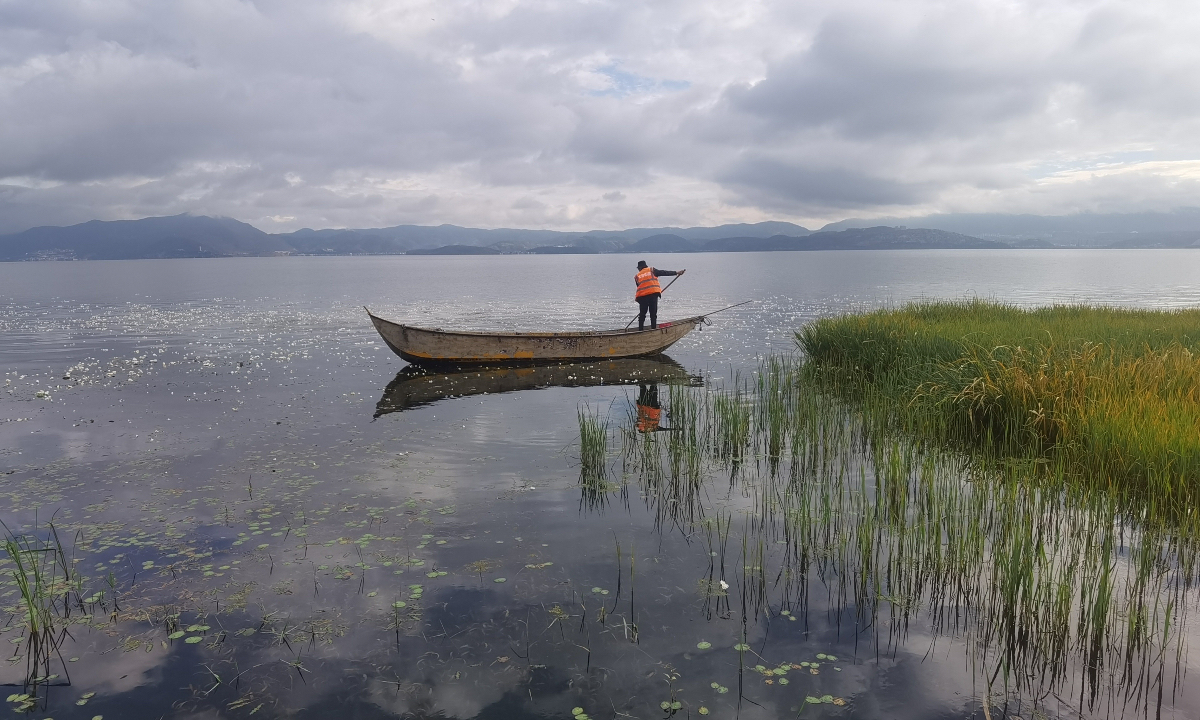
(1111, 395)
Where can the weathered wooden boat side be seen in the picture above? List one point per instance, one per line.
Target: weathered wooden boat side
(431, 346)
(416, 386)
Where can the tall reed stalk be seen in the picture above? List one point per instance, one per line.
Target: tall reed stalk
(593, 456)
(50, 591)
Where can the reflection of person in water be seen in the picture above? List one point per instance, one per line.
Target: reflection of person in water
(649, 412)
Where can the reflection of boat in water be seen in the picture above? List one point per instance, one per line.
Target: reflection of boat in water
(415, 386)
(433, 346)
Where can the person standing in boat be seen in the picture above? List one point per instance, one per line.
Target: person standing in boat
(648, 292)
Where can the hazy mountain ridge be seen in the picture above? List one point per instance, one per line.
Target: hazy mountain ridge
(874, 238)
(403, 238)
(202, 236)
(159, 237)
(1168, 229)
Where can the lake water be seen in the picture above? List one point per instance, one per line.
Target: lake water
(270, 521)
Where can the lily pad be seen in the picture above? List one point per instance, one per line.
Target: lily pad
(703, 645)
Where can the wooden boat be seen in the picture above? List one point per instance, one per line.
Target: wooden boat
(431, 346)
(415, 386)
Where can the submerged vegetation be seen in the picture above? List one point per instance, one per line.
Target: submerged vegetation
(979, 487)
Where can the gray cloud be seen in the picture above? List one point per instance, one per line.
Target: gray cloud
(800, 189)
(288, 114)
(864, 78)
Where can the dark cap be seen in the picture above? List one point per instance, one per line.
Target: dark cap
(641, 264)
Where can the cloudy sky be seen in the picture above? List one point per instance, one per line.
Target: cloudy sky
(605, 114)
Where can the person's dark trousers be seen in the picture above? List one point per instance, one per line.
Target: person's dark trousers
(648, 303)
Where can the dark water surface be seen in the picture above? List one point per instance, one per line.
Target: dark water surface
(227, 451)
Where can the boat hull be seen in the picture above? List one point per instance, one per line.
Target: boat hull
(426, 346)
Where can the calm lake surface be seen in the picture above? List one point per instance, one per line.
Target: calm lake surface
(267, 520)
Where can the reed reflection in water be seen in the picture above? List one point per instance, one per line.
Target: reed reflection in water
(1058, 595)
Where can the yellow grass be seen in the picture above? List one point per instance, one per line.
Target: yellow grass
(1113, 393)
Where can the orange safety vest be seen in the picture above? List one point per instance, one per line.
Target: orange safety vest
(647, 282)
(648, 418)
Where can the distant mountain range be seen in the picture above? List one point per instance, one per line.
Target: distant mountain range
(158, 237)
(405, 238)
(1178, 228)
(875, 238)
(201, 236)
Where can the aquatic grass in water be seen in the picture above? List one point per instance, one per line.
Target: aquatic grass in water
(1050, 583)
(593, 453)
(50, 592)
(731, 425)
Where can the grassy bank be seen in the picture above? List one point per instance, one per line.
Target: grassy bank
(1113, 394)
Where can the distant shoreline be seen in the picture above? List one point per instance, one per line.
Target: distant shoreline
(434, 253)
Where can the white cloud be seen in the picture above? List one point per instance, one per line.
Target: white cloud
(543, 114)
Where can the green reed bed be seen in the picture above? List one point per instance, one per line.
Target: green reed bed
(1057, 592)
(1113, 393)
